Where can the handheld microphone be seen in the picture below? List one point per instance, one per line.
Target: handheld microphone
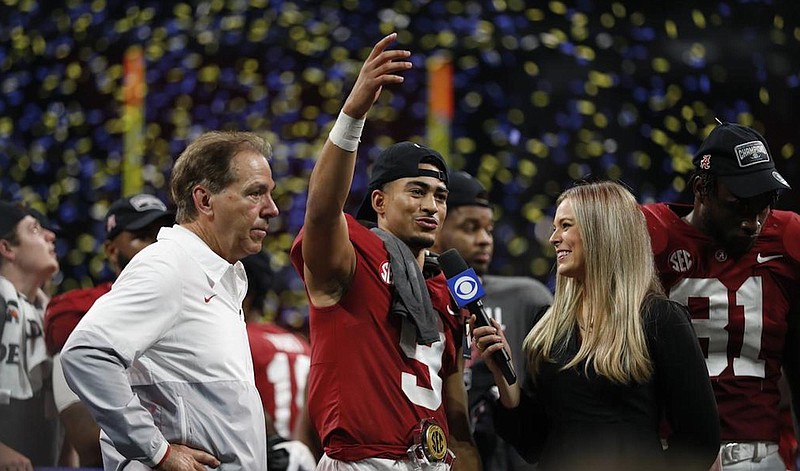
(467, 291)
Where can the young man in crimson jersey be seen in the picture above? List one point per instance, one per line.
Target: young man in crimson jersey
(735, 262)
(131, 224)
(386, 387)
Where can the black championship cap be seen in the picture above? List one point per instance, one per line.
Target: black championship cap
(10, 215)
(740, 158)
(466, 190)
(400, 160)
(135, 213)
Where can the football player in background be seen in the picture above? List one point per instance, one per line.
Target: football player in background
(734, 261)
(280, 360)
(131, 225)
(513, 301)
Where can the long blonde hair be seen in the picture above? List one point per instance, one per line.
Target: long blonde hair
(620, 276)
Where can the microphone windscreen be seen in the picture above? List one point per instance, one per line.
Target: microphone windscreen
(452, 263)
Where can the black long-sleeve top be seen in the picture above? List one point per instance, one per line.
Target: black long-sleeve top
(569, 420)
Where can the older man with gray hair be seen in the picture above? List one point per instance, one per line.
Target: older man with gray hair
(162, 360)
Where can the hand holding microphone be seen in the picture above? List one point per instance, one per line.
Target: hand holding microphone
(466, 290)
(489, 339)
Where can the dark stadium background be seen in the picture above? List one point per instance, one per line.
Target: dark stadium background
(544, 93)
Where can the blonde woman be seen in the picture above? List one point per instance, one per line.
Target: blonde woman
(612, 358)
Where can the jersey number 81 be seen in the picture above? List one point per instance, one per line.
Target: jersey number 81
(749, 298)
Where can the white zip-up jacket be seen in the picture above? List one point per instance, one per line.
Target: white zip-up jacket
(164, 357)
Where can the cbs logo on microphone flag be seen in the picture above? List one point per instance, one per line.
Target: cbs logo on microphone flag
(465, 287)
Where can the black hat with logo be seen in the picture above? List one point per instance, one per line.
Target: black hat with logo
(740, 158)
(135, 213)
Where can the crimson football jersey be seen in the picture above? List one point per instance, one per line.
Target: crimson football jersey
(370, 383)
(280, 360)
(739, 310)
(65, 311)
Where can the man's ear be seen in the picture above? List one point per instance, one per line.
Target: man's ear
(5, 250)
(696, 183)
(378, 198)
(202, 200)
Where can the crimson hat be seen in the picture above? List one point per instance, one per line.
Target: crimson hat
(740, 158)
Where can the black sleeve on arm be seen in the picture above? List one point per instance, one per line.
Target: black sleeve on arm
(525, 426)
(684, 388)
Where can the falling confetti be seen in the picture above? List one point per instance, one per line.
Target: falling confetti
(544, 93)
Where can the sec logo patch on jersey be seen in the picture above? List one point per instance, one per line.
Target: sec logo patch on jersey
(386, 272)
(681, 260)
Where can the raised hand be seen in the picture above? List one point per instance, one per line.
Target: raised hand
(183, 458)
(378, 70)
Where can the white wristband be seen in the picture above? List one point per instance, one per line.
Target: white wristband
(346, 132)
